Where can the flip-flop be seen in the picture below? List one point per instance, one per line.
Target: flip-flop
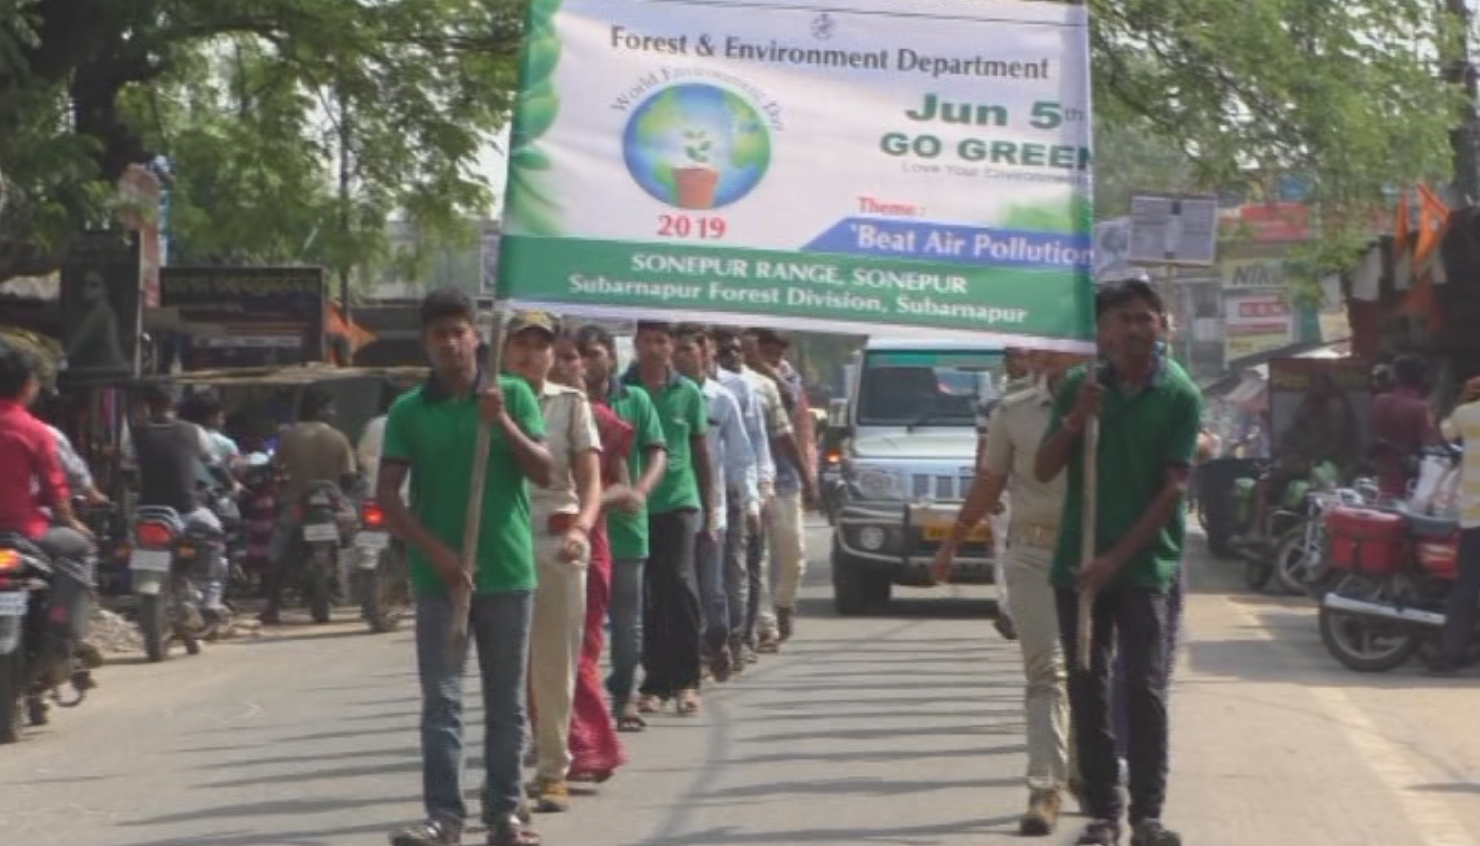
(649, 705)
(631, 722)
(688, 703)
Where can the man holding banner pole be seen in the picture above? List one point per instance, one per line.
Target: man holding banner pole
(1148, 413)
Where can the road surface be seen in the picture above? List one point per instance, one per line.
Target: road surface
(898, 729)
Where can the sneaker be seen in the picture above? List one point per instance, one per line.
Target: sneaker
(429, 833)
(550, 796)
(1100, 833)
(1153, 833)
(1043, 814)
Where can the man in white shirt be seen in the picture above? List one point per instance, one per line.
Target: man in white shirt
(1464, 596)
(759, 630)
(735, 480)
(745, 522)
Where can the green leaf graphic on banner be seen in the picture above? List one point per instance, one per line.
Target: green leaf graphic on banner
(529, 158)
(538, 107)
(530, 210)
(1046, 217)
(542, 53)
(530, 206)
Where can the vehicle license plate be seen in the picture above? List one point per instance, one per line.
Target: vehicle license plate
(373, 540)
(320, 532)
(13, 603)
(940, 532)
(150, 561)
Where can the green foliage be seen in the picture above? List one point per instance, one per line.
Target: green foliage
(254, 102)
(1347, 94)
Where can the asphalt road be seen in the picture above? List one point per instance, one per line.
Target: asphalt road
(898, 729)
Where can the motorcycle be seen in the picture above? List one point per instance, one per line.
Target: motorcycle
(45, 605)
(1292, 512)
(380, 580)
(324, 530)
(1398, 567)
(169, 564)
(1299, 563)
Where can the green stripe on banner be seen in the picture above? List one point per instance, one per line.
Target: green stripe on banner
(757, 286)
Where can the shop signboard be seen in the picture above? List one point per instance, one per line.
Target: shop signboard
(247, 316)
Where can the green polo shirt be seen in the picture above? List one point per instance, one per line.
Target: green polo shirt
(684, 414)
(628, 533)
(1142, 434)
(436, 434)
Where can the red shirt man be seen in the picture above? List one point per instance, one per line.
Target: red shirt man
(28, 452)
(1402, 425)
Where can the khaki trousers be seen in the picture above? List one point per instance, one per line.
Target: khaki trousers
(788, 553)
(557, 631)
(1045, 697)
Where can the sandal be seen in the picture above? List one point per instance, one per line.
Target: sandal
(589, 776)
(509, 831)
(721, 664)
(688, 703)
(630, 720)
(650, 704)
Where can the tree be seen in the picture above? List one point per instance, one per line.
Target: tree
(1349, 94)
(246, 98)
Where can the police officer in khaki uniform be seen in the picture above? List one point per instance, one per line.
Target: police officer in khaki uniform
(1017, 428)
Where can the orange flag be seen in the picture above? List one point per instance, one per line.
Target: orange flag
(1433, 223)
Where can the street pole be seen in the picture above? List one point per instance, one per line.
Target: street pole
(344, 221)
(1465, 139)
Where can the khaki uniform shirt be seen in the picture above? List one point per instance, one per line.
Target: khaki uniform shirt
(570, 429)
(1017, 429)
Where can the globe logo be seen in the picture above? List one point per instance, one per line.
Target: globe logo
(696, 146)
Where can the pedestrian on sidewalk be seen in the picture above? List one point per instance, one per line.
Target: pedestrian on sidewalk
(430, 435)
(595, 750)
(734, 481)
(1149, 415)
(678, 509)
(796, 476)
(742, 518)
(760, 633)
(563, 515)
(1464, 597)
(1017, 430)
(626, 516)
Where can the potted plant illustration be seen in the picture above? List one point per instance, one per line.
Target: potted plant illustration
(696, 179)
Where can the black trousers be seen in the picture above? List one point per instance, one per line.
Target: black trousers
(671, 618)
(1464, 599)
(1139, 617)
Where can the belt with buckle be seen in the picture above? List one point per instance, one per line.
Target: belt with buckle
(1040, 535)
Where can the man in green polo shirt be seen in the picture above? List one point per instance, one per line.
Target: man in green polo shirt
(678, 509)
(1149, 413)
(430, 434)
(627, 520)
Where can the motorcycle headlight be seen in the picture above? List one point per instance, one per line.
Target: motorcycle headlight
(877, 483)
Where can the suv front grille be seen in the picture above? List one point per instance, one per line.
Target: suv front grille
(939, 488)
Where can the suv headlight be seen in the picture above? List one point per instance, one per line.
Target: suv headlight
(876, 483)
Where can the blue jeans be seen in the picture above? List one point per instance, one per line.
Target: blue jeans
(499, 626)
(1120, 704)
(625, 613)
(714, 595)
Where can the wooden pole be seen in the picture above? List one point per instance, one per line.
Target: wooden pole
(462, 599)
(1088, 515)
